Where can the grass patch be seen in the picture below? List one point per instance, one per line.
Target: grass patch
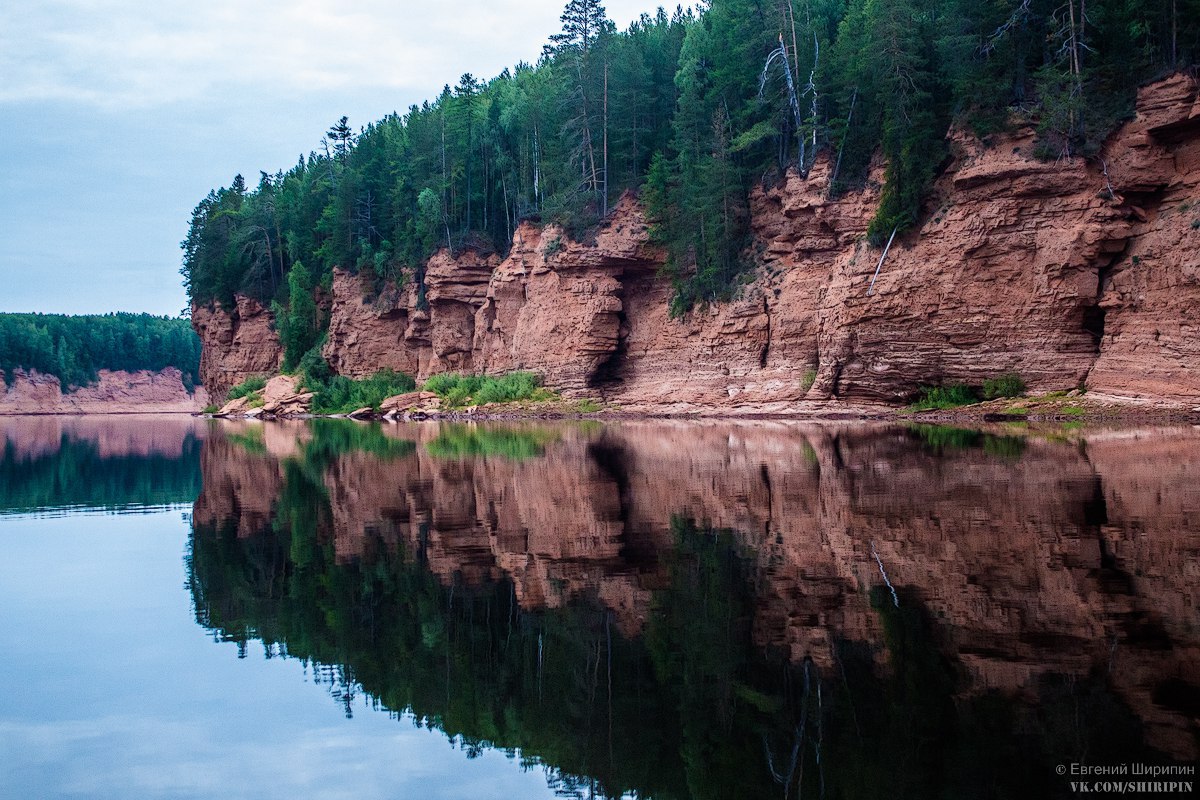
(462, 390)
(1010, 384)
(338, 394)
(252, 385)
(211, 409)
(470, 441)
(939, 397)
(808, 379)
(587, 406)
(1072, 411)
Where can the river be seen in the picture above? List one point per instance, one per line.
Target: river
(659, 609)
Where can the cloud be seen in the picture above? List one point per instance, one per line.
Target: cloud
(132, 54)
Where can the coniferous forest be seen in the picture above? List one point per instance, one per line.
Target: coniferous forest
(73, 348)
(691, 109)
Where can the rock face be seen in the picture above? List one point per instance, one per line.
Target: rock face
(237, 343)
(115, 392)
(1150, 296)
(1071, 273)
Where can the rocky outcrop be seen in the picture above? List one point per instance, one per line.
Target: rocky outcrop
(114, 392)
(282, 396)
(410, 401)
(1149, 296)
(1072, 273)
(237, 343)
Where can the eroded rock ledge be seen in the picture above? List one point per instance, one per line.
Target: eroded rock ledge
(1070, 273)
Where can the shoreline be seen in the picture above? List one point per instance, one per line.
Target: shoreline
(1056, 408)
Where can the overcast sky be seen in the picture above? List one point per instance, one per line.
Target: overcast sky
(119, 116)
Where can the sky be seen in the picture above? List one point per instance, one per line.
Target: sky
(119, 116)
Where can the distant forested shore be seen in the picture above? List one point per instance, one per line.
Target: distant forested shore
(75, 348)
(691, 109)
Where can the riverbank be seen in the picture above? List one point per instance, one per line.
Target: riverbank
(1053, 407)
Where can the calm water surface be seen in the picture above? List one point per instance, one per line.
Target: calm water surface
(655, 609)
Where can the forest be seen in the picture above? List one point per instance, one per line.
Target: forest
(74, 348)
(690, 109)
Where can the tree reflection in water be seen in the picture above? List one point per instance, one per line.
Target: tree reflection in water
(693, 704)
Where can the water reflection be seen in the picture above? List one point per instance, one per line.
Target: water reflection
(719, 610)
(52, 464)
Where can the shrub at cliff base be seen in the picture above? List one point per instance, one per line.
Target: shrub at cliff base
(953, 395)
(338, 394)
(461, 390)
(252, 385)
(1010, 384)
(941, 397)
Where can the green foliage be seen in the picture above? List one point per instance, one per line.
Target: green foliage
(458, 440)
(942, 397)
(73, 348)
(808, 379)
(252, 385)
(461, 170)
(694, 109)
(299, 319)
(338, 394)
(1010, 384)
(313, 368)
(460, 390)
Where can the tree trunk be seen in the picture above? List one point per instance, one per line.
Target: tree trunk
(604, 197)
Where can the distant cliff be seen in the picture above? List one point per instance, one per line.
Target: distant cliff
(114, 392)
(1072, 273)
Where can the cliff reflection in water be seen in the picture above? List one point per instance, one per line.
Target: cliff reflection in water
(720, 610)
(51, 464)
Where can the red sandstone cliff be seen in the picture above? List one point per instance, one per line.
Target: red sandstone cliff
(1070, 273)
(236, 343)
(115, 392)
